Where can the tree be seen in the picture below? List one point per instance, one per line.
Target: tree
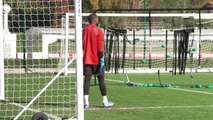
(26, 14)
(92, 5)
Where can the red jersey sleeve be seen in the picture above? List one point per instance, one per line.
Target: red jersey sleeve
(100, 40)
(84, 37)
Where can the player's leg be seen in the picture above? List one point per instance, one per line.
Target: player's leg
(102, 85)
(87, 79)
(86, 90)
(103, 90)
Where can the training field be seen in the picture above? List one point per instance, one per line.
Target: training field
(131, 103)
(149, 103)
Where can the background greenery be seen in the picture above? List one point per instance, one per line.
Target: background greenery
(44, 16)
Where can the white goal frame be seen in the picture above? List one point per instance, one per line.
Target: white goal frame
(2, 91)
(183, 15)
(79, 59)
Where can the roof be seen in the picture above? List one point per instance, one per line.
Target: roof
(210, 2)
(65, 9)
(208, 5)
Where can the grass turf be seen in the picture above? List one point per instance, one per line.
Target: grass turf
(143, 98)
(131, 103)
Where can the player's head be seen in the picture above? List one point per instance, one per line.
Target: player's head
(93, 18)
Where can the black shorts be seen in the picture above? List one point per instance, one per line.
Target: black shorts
(92, 69)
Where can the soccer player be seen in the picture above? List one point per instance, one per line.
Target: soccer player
(93, 59)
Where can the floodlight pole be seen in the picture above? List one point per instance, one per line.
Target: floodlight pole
(134, 49)
(150, 40)
(24, 41)
(144, 52)
(166, 51)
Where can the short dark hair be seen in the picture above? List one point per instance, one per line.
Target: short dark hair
(91, 17)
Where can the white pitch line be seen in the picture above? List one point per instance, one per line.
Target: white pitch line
(193, 91)
(144, 108)
(118, 81)
(157, 107)
(34, 110)
(186, 90)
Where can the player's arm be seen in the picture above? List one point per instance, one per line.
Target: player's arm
(84, 37)
(100, 44)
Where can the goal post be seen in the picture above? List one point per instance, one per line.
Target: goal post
(79, 58)
(2, 89)
(66, 43)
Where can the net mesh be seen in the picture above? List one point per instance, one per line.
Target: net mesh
(149, 43)
(36, 35)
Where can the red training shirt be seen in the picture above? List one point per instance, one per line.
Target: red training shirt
(93, 43)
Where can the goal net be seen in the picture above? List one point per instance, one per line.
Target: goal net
(147, 41)
(36, 78)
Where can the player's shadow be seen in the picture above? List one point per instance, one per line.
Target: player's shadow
(96, 106)
(114, 84)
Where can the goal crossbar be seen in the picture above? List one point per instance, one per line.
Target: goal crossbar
(183, 15)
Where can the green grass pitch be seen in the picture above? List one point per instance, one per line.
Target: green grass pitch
(132, 103)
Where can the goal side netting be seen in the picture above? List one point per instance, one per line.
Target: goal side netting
(39, 51)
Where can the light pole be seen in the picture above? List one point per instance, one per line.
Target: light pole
(145, 27)
(24, 39)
